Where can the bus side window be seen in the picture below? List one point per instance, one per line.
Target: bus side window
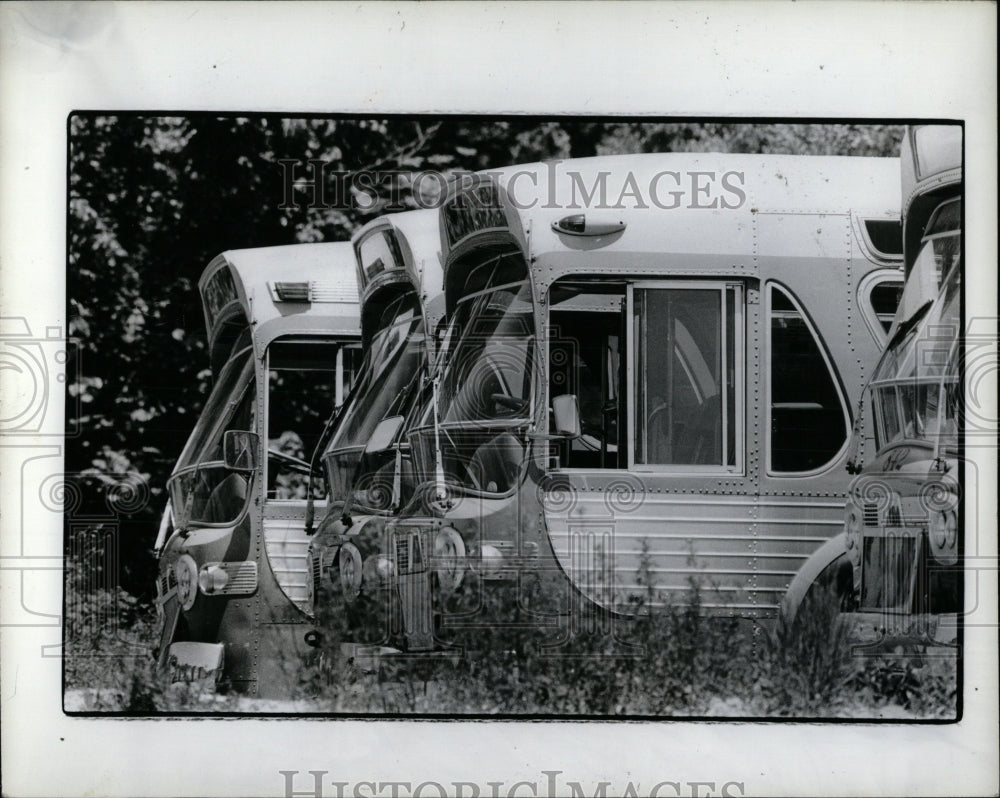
(884, 299)
(809, 421)
(687, 370)
(585, 361)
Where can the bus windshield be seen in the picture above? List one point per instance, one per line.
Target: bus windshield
(202, 490)
(390, 378)
(940, 250)
(485, 393)
(488, 376)
(916, 389)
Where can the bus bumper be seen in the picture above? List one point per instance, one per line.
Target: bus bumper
(195, 662)
(880, 632)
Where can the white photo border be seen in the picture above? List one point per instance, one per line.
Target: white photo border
(833, 61)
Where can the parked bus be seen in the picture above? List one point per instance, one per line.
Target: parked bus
(898, 556)
(283, 339)
(647, 378)
(367, 460)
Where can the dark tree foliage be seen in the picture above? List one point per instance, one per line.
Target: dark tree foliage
(153, 199)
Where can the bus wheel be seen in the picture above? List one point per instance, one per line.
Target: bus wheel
(826, 577)
(829, 595)
(837, 582)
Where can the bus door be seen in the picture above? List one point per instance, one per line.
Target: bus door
(302, 380)
(654, 371)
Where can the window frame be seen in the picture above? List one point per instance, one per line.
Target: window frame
(341, 389)
(722, 287)
(865, 291)
(768, 292)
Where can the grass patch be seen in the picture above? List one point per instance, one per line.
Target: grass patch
(672, 662)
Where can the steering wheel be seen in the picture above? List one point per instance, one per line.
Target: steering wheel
(510, 402)
(591, 428)
(655, 415)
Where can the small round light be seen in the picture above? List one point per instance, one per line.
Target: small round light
(186, 571)
(491, 560)
(449, 559)
(350, 571)
(942, 532)
(212, 579)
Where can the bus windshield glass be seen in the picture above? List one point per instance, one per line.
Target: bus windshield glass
(916, 388)
(202, 490)
(390, 378)
(940, 250)
(485, 393)
(488, 376)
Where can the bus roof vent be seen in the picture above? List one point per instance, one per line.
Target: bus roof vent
(329, 291)
(291, 292)
(312, 291)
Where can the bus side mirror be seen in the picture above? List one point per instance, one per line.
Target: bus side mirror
(239, 450)
(566, 415)
(384, 434)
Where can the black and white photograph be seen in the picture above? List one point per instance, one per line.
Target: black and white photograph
(669, 426)
(506, 416)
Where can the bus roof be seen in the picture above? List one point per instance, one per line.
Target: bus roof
(276, 290)
(400, 249)
(931, 165)
(696, 204)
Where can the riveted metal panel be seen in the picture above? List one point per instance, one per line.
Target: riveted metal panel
(287, 548)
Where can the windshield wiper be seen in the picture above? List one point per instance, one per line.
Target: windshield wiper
(440, 489)
(908, 325)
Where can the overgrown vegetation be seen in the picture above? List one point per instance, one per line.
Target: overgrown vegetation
(672, 662)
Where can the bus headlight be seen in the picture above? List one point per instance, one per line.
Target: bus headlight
(186, 571)
(942, 530)
(350, 569)
(449, 559)
(852, 532)
(491, 561)
(212, 579)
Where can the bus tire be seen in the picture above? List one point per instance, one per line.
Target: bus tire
(828, 567)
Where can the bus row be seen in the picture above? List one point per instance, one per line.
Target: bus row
(556, 376)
